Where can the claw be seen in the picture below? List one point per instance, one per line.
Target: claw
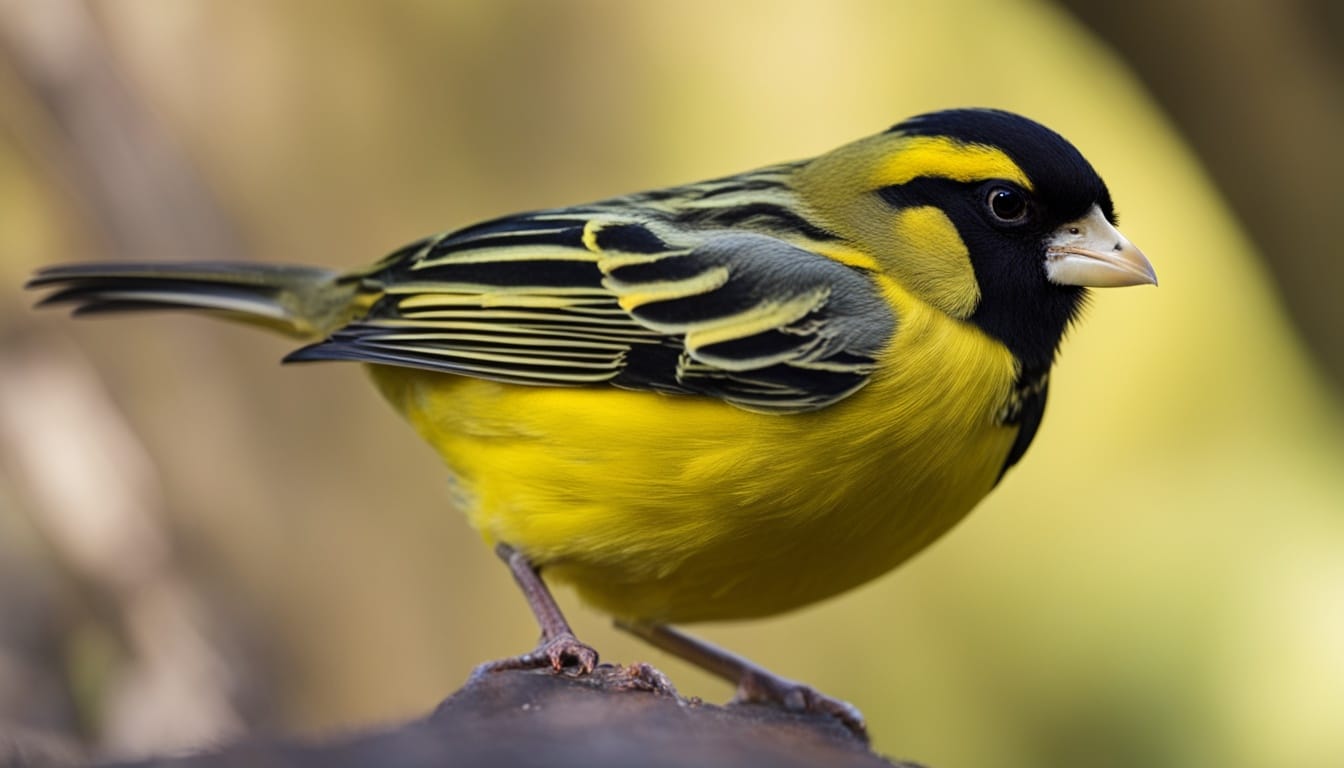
(560, 653)
(756, 687)
(566, 648)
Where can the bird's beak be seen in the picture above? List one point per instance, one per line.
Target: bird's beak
(1091, 252)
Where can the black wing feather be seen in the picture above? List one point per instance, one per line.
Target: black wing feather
(551, 299)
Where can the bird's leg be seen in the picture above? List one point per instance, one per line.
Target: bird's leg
(754, 683)
(558, 648)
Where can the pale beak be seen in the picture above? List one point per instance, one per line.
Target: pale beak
(1091, 252)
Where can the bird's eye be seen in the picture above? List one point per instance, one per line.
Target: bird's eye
(1006, 204)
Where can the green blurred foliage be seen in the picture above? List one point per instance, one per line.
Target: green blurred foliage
(1158, 584)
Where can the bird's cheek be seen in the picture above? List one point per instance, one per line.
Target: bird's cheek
(934, 261)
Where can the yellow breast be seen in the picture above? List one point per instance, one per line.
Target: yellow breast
(674, 508)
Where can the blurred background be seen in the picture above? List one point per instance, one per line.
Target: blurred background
(197, 543)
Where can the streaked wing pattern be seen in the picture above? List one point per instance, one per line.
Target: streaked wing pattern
(598, 294)
(517, 300)
(763, 324)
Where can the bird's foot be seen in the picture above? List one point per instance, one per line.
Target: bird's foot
(562, 653)
(756, 686)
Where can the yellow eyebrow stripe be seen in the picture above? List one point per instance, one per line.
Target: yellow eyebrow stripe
(949, 159)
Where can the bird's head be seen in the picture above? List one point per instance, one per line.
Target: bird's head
(986, 215)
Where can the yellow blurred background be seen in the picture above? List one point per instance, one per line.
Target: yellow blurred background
(1159, 583)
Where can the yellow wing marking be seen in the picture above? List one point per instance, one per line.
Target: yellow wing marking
(666, 290)
(496, 253)
(487, 297)
(757, 319)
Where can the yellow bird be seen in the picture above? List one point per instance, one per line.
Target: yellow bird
(721, 400)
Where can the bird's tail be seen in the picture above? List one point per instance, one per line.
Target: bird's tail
(305, 302)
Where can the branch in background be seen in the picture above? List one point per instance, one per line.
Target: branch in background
(138, 191)
(90, 490)
(1258, 89)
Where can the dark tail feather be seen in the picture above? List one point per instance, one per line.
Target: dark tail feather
(300, 301)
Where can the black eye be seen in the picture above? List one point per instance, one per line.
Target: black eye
(1006, 204)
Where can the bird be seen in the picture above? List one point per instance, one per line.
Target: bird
(722, 400)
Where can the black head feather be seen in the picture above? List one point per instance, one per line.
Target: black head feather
(1019, 306)
(1063, 178)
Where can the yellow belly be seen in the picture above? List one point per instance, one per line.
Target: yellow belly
(676, 508)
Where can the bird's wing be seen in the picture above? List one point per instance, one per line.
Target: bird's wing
(567, 299)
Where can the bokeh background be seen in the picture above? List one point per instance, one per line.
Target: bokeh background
(195, 542)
